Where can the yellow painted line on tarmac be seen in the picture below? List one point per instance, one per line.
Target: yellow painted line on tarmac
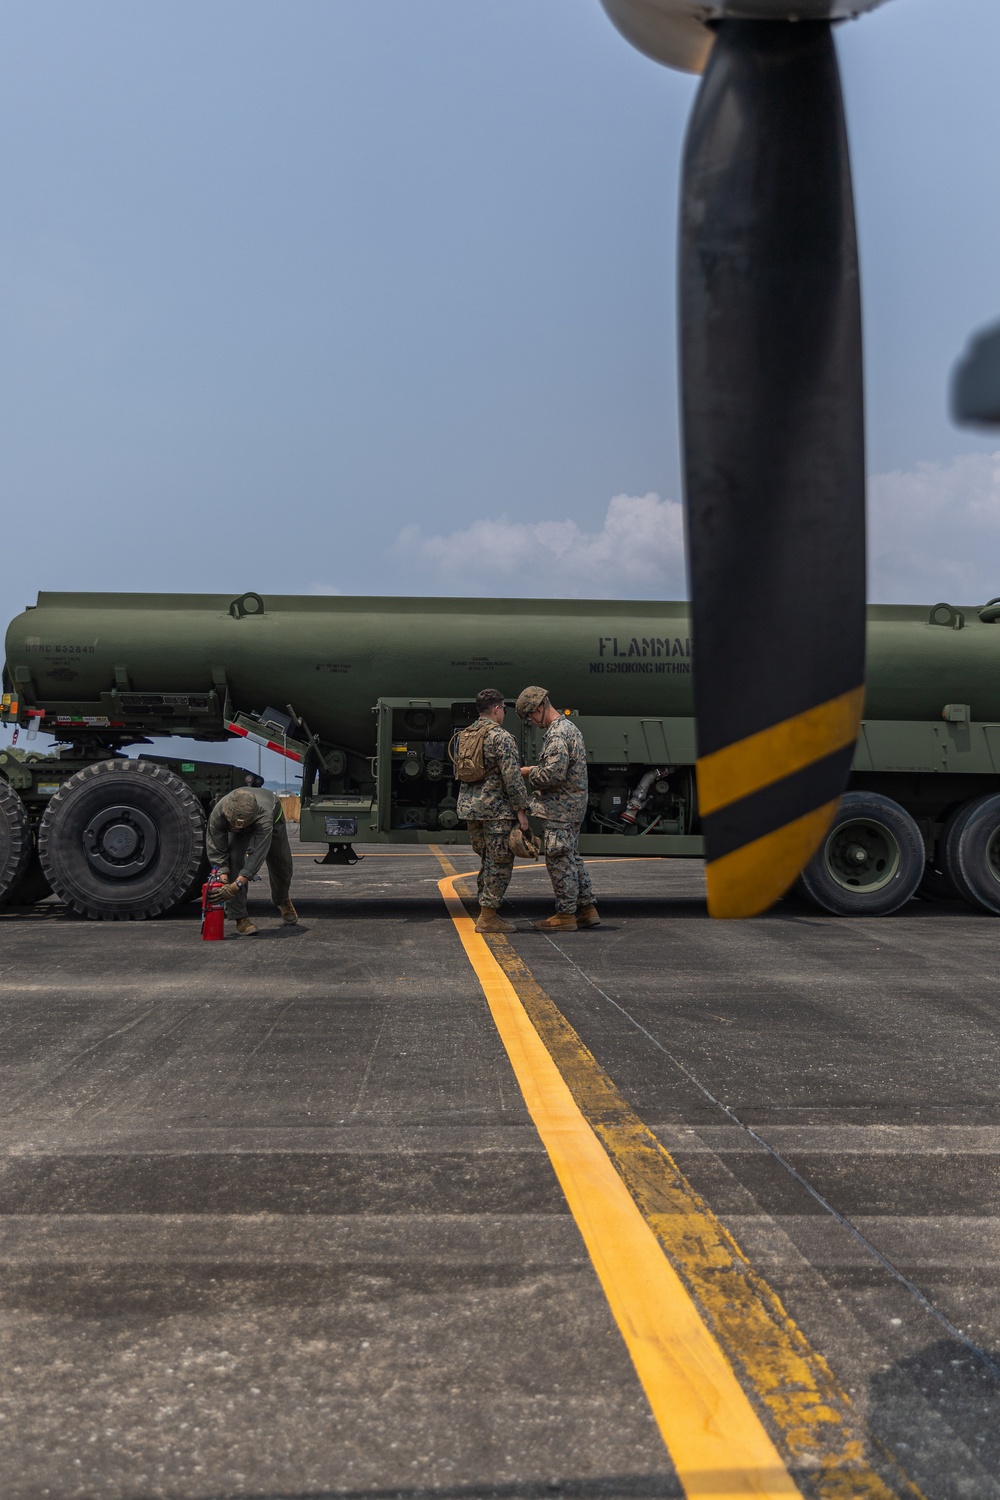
(416, 854)
(716, 1441)
(539, 864)
(444, 861)
(691, 1308)
(432, 851)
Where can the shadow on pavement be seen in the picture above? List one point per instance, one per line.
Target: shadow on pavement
(964, 1395)
(605, 1487)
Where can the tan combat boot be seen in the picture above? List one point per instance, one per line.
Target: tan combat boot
(563, 921)
(491, 921)
(288, 913)
(245, 927)
(586, 916)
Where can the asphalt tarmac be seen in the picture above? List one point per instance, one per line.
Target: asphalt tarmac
(275, 1219)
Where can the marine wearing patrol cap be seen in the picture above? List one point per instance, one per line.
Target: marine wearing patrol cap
(530, 699)
(246, 829)
(239, 809)
(493, 804)
(558, 789)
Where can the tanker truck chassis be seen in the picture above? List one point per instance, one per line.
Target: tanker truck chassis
(122, 837)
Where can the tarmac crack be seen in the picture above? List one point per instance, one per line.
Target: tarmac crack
(363, 1084)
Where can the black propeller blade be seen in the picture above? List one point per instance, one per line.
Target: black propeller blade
(773, 427)
(975, 395)
(774, 453)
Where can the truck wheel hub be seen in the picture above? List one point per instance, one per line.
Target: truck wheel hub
(862, 855)
(120, 841)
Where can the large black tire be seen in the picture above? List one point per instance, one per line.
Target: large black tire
(122, 840)
(870, 863)
(971, 853)
(16, 843)
(193, 892)
(32, 886)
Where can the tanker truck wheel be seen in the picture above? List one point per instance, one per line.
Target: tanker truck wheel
(871, 861)
(193, 892)
(16, 843)
(122, 839)
(32, 886)
(971, 842)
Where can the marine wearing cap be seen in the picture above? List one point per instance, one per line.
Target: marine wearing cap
(494, 807)
(239, 809)
(529, 699)
(558, 787)
(246, 828)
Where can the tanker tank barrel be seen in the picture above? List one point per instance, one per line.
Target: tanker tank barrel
(131, 665)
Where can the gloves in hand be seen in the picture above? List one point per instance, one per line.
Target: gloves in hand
(228, 892)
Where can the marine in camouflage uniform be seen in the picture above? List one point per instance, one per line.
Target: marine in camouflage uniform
(558, 790)
(246, 829)
(490, 807)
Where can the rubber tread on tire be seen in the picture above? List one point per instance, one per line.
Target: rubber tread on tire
(820, 886)
(966, 842)
(16, 843)
(164, 799)
(32, 886)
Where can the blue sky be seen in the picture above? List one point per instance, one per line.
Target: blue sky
(378, 296)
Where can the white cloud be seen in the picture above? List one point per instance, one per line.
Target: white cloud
(638, 552)
(934, 532)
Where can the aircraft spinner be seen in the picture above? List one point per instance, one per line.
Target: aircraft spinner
(679, 32)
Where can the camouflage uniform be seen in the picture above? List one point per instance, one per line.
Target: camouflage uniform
(490, 808)
(265, 838)
(559, 788)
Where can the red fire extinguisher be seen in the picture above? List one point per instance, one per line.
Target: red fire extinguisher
(212, 916)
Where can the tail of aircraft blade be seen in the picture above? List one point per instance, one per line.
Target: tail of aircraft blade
(774, 453)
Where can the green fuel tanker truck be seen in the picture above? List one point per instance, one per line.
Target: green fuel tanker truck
(367, 694)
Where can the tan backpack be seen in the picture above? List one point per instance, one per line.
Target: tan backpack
(469, 755)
